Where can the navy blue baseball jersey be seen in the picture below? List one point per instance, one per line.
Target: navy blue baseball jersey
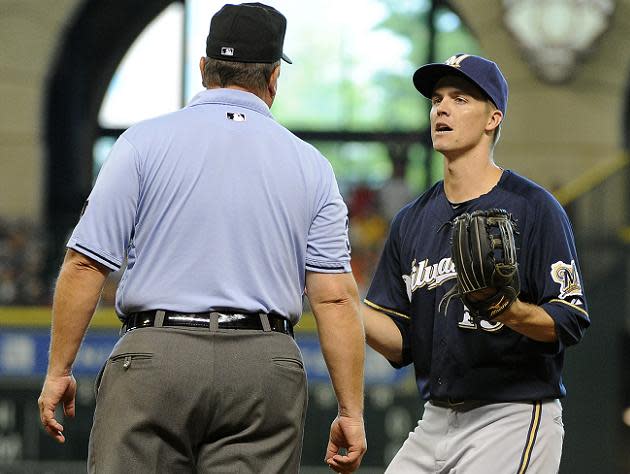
(453, 356)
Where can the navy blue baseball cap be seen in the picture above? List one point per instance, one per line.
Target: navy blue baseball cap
(482, 72)
(247, 33)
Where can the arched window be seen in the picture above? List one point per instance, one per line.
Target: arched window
(352, 73)
(348, 91)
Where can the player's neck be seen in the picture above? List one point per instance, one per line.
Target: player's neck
(467, 178)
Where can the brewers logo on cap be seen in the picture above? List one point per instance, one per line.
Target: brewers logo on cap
(456, 60)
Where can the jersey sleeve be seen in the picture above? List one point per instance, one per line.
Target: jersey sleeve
(388, 291)
(328, 245)
(106, 225)
(554, 273)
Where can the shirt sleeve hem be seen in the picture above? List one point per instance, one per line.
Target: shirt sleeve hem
(100, 256)
(319, 266)
(570, 321)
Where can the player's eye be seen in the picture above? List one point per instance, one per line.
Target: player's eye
(436, 100)
(460, 99)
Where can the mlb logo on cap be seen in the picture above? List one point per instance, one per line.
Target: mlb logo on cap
(227, 51)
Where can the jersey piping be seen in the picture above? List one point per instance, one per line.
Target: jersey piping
(385, 310)
(556, 300)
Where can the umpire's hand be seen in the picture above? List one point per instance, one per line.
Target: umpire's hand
(57, 389)
(346, 433)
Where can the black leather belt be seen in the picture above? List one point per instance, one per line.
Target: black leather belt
(147, 319)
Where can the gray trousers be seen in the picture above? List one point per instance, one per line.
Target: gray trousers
(513, 438)
(175, 400)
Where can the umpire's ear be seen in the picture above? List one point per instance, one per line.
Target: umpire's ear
(202, 67)
(272, 86)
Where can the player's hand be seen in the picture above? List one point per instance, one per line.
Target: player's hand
(347, 433)
(56, 390)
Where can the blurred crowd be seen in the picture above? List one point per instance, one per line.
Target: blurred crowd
(21, 264)
(22, 246)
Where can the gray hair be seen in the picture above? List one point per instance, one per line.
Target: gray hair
(251, 76)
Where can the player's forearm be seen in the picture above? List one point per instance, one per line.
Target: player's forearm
(382, 334)
(77, 292)
(530, 320)
(342, 340)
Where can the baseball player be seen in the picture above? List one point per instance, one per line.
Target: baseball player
(224, 219)
(492, 386)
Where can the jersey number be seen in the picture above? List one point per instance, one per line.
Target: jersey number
(467, 322)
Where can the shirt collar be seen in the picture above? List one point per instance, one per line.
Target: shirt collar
(231, 97)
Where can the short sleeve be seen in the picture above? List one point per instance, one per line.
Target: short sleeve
(388, 291)
(554, 273)
(328, 245)
(105, 228)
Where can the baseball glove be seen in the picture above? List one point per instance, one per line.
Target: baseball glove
(484, 253)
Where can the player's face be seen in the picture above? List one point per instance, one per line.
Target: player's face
(460, 116)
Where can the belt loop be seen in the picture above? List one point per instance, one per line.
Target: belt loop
(159, 318)
(264, 319)
(214, 321)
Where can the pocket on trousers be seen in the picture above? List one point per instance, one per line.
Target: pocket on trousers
(288, 363)
(131, 359)
(558, 421)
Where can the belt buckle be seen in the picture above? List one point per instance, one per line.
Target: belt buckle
(231, 317)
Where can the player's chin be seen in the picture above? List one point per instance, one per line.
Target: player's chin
(441, 143)
(442, 149)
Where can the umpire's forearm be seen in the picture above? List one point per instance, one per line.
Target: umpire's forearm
(342, 340)
(77, 292)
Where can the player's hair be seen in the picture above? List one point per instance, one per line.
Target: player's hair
(251, 76)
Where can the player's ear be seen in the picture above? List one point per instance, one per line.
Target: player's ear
(494, 119)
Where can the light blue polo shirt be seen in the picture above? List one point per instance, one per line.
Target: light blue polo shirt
(215, 206)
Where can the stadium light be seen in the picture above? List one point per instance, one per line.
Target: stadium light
(556, 34)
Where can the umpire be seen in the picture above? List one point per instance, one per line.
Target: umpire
(225, 220)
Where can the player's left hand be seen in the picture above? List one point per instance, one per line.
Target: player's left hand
(346, 433)
(56, 389)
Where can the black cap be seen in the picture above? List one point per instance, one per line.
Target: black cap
(482, 72)
(247, 33)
